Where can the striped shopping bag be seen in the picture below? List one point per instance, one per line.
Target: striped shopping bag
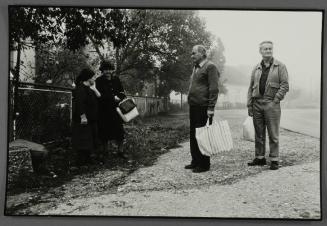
(215, 138)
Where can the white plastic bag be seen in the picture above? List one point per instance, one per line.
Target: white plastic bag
(248, 129)
(215, 138)
(128, 116)
(127, 109)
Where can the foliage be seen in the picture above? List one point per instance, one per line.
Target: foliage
(146, 139)
(186, 30)
(146, 45)
(141, 39)
(216, 55)
(36, 24)
(58, 66)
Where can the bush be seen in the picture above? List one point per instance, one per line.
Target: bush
(176, 107)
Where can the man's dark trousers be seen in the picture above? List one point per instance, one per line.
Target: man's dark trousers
(198, 118)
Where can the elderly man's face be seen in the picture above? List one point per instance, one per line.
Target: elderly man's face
(266, 50)
(196, 56)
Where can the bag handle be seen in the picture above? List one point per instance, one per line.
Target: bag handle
(125, 99)
(209, 121)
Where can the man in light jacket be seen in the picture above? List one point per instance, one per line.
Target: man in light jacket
(268, 86)
(202, 98)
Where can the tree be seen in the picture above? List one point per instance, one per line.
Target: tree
(216, 55)
(186, 30)
(57, 65)
(138, 40)
(27, 26)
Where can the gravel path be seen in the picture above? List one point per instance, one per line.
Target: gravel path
(229, 189)
(290, 192)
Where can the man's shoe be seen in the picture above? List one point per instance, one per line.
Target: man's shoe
(258, 162)
(191, 166)
(274, 165)
(200, 169)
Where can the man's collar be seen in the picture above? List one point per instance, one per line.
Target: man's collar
(203, 62)
(272, 62)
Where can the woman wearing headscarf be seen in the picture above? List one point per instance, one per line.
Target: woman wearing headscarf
(110, 124)
(85, 116)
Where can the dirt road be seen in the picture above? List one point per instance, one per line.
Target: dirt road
(305, 121)
(291, 192)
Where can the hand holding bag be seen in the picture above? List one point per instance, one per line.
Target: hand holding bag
(248, 129)
(127, 109)
(215, 138)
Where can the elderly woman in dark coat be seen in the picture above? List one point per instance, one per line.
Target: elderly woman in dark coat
(110, 124)
(85, 116)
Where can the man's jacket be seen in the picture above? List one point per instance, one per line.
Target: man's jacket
(276, 85)
(203, 90)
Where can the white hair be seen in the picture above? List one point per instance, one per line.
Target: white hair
(201, 49)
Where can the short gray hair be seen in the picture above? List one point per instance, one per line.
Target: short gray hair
(264, 42)
(201, 49)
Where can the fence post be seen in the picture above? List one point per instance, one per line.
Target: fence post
(71, 109)
(10, 110)
(146, 104)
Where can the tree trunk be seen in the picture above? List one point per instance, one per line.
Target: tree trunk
(16, 80)
(96, 47)
(117, 61)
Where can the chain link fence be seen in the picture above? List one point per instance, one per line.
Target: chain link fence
(42, 113)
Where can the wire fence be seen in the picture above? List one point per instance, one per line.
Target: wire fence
(42, 113)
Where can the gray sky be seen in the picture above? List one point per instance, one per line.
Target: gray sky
(296, 37)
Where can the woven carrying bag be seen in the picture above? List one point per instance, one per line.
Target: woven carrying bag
(215, 138)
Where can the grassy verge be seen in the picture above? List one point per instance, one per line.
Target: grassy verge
(146, 139)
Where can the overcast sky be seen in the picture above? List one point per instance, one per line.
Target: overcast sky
(296, 37)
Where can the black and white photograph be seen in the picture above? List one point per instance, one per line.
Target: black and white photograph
(164, 112)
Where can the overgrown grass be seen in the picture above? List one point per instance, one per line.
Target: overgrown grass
(146, 139)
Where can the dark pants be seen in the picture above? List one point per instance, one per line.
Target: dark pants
(266, 114)
(84, 140)
(198, 118)
(83, 157)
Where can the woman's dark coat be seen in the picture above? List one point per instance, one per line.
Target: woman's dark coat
(110, 125)
(84, 102)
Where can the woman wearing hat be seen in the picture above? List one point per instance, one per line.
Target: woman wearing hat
(110, 124)
(85, 116)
